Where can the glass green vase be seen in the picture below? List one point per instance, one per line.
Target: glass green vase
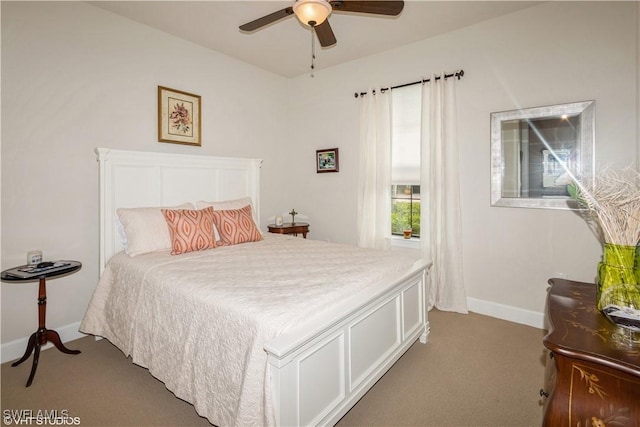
(616, 268)
(636, 265)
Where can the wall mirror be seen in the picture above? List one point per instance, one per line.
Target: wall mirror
(535, 151)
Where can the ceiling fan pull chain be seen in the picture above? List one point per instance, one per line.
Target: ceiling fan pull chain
(313, 50)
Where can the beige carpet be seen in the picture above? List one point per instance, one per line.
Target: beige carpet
(475, 371)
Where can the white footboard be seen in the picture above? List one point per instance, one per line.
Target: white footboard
(317, 378)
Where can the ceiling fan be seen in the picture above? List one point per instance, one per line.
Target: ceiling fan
(314, 13)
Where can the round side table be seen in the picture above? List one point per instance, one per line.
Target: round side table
(42, 335)
(290, 228)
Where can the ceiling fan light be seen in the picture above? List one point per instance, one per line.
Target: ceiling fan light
(312, 12)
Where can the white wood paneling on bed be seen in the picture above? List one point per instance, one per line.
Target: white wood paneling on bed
(321, 379)
(384, 321)
(130, 179)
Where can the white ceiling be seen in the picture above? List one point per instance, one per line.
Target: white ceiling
(285, 46)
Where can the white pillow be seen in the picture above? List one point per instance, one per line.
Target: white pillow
(145, 229)
(226, 205)
(121, 233)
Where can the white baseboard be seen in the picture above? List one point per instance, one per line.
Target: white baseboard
(13, 350)
(506, 312)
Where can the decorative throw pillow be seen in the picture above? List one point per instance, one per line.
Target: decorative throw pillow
(190, 230)
(226, 205)
(236, 226)
(145, 229)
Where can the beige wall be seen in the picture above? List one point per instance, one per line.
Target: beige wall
(553, 53)
(75, 77)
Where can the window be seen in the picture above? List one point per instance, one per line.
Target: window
(405, 210)
(405, 161)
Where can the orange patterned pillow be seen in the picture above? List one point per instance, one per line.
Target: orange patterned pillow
(236, 226)
(190, 230)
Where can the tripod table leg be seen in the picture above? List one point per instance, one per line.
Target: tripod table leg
(52, 336)
(30, 346)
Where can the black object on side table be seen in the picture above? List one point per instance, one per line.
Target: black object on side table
(43, 335)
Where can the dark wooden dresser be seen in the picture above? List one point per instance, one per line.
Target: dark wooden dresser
(593, 366)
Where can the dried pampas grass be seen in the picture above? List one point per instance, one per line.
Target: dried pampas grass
(612, 198)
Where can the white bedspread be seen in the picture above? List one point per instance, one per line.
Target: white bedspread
(199, 321)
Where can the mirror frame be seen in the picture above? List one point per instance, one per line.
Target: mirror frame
(585, 147)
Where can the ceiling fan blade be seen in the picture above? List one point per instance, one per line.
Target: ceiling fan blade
(391, 8)
(267, 19)
(325, 34)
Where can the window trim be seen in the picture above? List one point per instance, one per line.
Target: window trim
(401, 242)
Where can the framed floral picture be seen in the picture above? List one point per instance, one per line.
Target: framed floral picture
(327, 160)
(178, 117)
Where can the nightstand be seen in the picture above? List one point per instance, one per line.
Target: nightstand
(290, 228)
(42, 335)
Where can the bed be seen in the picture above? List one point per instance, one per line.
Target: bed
(277, 330)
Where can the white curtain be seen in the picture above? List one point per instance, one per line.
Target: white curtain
(374, 171)
(440, 188)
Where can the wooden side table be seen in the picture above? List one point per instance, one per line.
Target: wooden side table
(593, 369)
(42, 335)
(290, 228)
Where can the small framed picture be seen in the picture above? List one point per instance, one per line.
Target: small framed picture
(178, 117)
(327, 160)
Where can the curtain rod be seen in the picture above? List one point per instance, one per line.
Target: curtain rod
(459, 74)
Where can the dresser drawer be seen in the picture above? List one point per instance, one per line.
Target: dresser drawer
(592, 373)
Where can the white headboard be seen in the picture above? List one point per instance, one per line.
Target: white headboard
(132, 179)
